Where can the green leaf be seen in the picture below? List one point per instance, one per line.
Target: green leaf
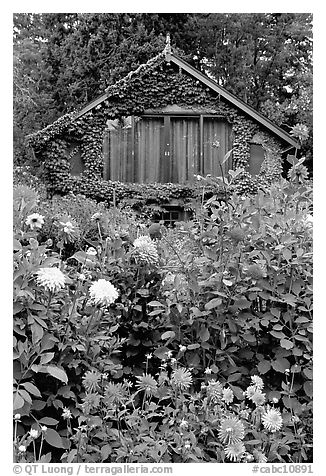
(18, 401)
(53, 438)
(48, 421)
(213, 303)
(46, 357)
(32, 389)
(106, 450)
(264, 366)
(278, 334)
(308, 388)
(249, 337)
(57, 373)
(204, 334)
(45, 458)
(286, 344)
(193, 346)
(234, 377)
(155, 304)
(281, 364)
(161, 352)
(287, 254)
(168, 335)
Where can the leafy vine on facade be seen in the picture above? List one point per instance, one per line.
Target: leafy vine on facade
(152, 86)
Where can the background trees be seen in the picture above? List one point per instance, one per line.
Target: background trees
(62, 61)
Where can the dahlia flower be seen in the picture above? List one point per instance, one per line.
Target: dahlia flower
(258, 398)
(228, 395)
(231, 431)
(147, 383)
(91, 380)
(257, 381)
(35, 220)
(115, 393)
(145, 251)
(272, 420)
(234, 451)
(51, 279)
(214, 390)
(181, 378)
(103, 293)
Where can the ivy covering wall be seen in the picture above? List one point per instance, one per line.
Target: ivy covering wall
(154, 85)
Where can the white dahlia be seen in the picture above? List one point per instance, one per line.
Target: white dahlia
(103, 292)
(35, 220)
(272, 420)
(145, 251)
(51, 279)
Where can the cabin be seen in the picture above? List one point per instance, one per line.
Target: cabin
(164, 123)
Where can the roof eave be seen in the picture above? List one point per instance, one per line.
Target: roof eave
(234, 100)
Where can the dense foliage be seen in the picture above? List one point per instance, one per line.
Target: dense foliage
(138, 343)
(62, 61)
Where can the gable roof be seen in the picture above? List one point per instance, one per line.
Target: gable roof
(171, 57)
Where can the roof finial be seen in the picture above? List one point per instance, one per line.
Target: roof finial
(167, 49)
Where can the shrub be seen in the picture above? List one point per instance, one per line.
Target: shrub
(165, 345)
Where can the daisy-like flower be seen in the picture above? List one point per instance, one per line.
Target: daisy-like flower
(257, 381)
(300, 131)
(183, 424)
(234, 451)
(91, 251)
(33, 433)
(51, 279)
(103, 293)
(91, 380)
(272, 420)
(250, 391)
(96, 216)
(228, 395)
(147, 383)
(214, 390)
(90, 401)
(66, 413)
(22, 449)
(231, 431)
(35, 220)
(181, 379)
(145, 251)
(187, 445)
(258, 398)
(68, 229)
(114, 393)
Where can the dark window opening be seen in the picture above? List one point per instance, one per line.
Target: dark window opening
(257, 157)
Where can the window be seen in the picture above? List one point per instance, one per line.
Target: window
(257, 157)
(76, 162)
(166, 148)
